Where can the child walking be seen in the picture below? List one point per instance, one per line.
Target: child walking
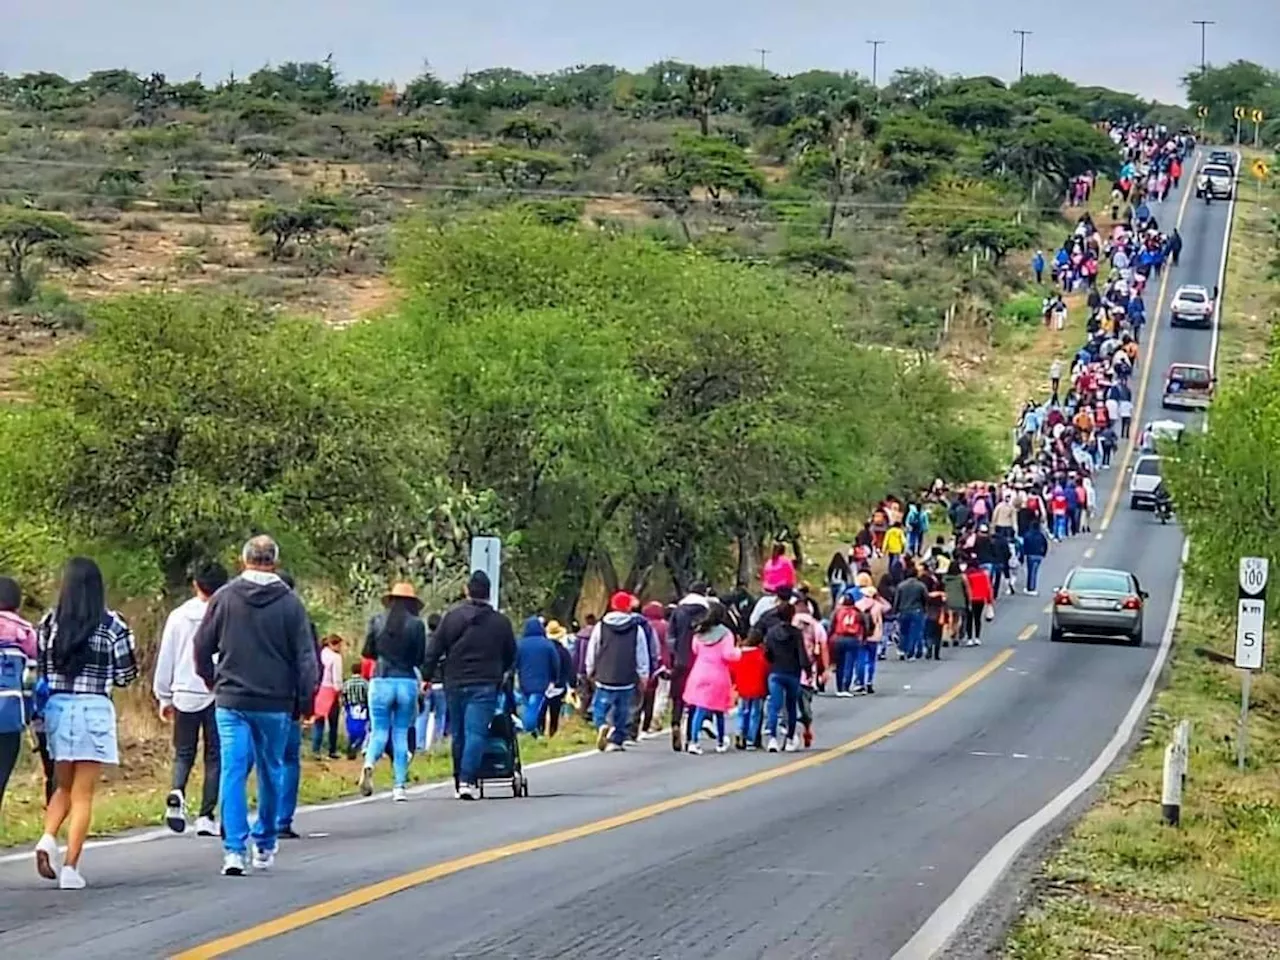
(750, 676)
(355, 709)
(709, 688)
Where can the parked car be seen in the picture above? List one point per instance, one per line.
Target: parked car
(1095, 601)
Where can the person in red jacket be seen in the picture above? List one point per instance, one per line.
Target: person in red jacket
(750, 676)
(981, 594)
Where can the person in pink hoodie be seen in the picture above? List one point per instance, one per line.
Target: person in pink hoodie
(815, 645)
(709, 689)
(778, 572)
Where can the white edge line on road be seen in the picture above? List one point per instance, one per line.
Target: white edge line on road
(164, 834)
(945, 922)
(952, 913)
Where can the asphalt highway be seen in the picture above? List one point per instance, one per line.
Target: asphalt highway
(832, 853)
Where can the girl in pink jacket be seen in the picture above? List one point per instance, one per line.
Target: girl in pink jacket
(709, 689)
(778, 571)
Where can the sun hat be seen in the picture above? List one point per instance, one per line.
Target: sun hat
(556, 632)
(402, 590)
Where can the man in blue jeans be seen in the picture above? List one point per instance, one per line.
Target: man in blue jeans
(260, 634)
(909, 603)
(478, 646)
(617, 659)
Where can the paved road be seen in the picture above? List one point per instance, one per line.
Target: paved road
(844, 858)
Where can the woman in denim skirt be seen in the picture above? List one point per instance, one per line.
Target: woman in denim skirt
(84, 651)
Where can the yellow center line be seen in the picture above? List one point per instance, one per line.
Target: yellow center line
(387, 888)
(1140, 402)
(1028, 632)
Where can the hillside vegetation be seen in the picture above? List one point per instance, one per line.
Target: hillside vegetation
(609, 303)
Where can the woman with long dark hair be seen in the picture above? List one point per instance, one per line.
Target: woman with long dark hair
(397, 643)
(84, 651)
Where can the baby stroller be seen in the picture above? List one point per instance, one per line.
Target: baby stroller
(501, 761)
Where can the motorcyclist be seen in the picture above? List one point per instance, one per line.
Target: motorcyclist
(1163, 501)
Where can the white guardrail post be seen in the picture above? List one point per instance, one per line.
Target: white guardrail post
(1175, 774)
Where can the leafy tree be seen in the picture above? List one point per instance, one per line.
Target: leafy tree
(533, 131)
(914, 149)
(304, 222)
(914, 87)
(30, 239)
(1054, 147)
(702, 88)
(692, 164)
(516, 168)
(186, 191)
(422, 91)
(978, 108)
(266, 116)
(969, 215)
(1239, 84)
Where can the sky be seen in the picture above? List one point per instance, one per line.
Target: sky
(391, 39)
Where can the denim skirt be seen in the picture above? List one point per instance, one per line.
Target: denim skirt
(81, 726)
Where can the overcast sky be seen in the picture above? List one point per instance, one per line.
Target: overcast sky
(390, 39)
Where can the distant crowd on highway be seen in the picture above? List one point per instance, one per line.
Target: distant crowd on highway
(241, 669)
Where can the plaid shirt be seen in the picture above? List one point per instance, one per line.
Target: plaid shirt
(355, 698)
(111, 660)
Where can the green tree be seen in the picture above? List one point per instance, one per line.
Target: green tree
(516, 168)
(304, 222)
(969, 215)
(702, 90)
(914, 149)
(1055, 148)
(694, 164)
(266, 116)
(531, 130)
(422, 91)
(834, 150)
(30, 239)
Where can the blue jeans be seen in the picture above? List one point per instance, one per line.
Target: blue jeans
(392, 704)
(420, 728)
(911, 634)
(846, 656)
(1033, 570)
(290, 778)
(438, 707)
(530, 708)
(865, 673)
(472, 707)
(784, 688)
(699, 715)
(915, 542)
(613, 708)
(750, 715)
(257, 739)
(1060, 526)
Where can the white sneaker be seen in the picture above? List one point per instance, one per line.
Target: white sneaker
(263, 859)
(48, 857)
(175, 811)
(398, 795)
(977, 643)
(971, 643)
(69, 879)
(722, 746)
(206, 827)
(844, 693)
(694, 748)
(791, 746)
(468, 791)
(612, 747)
(366, 781)
(1033, 593)
(233, 864)
(772, 745)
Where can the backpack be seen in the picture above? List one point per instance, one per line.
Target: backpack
(14, 704)
(915, 522)
(851, 621)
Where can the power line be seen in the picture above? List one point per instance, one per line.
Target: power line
(764, 52)
(1022, 51)
(1203, 25)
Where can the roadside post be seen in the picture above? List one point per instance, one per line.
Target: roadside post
(486, 555)
(1174, 781)
(1251, 609)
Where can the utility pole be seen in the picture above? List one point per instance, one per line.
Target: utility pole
(875, 60)
(1022, 51)
(763, 53)
(1203, 25)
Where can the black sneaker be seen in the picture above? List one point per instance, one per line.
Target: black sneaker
(288, 833)
(870, 688)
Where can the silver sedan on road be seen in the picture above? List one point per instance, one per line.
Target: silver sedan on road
(1095, 601)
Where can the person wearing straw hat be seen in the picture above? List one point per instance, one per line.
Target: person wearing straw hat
(397, 643)
(564, 682)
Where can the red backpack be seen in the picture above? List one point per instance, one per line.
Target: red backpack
(850, 621)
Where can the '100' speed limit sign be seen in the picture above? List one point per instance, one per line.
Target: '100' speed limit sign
(1251, 612)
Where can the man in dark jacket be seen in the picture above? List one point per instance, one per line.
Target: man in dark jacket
(266, 663)
(680, 642)
(617, 659)
(479, 647)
